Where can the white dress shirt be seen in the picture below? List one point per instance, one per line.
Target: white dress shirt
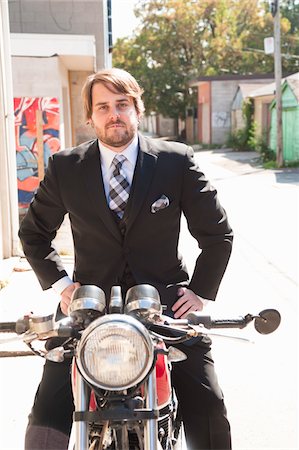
(107, 155)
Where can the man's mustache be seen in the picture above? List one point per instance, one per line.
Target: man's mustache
(115, 122)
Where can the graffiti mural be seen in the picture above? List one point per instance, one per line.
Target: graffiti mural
(26, 142)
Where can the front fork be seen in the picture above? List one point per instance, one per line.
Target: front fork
(151, 441)
(81, 393)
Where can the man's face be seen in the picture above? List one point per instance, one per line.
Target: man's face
(114, 117)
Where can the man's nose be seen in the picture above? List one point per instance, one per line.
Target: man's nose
(114, 113)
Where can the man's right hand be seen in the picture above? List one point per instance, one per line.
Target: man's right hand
(66, 297)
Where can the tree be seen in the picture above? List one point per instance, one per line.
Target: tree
(290, 35)
(179, 40)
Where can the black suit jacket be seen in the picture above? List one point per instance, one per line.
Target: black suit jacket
(73, 184)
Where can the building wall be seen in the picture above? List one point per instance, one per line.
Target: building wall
(290, 120)
(44, 77)
(48, 77)
(262, 115)
(290, 132)
(87, 17)
(222, 95)
(36, 77)
(214, 112)
(38, 84)
(166, 127)
(81, 131)
(148, 124)
(204, 113)
(237, 120)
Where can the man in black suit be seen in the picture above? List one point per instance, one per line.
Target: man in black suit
(125, 194)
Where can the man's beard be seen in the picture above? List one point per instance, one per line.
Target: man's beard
(116, 137)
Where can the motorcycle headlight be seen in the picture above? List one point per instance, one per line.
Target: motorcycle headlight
(115, 352)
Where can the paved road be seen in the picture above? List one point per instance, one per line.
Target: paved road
(260, 379)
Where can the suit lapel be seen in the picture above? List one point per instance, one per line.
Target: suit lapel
(143, 175)
(92, 173)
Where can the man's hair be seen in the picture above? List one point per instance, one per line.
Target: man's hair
(117, 81)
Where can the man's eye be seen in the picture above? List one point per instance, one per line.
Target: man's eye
(123, 105)
(102, 107)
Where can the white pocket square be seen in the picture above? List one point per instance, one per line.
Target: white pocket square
(159, 204)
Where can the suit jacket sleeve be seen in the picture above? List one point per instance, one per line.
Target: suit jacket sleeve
(39, 227)
(208, 224)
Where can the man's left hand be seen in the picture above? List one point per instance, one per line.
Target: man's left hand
(188, 302)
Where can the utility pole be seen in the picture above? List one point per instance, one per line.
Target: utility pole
(275, 11)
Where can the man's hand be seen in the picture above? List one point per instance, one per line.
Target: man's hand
(66, 297)
(187, 303)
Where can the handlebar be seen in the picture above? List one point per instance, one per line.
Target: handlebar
(18, 327)
(265, 322)
(196, 324)
(8, 327)
(195, 318)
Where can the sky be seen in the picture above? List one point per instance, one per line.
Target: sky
(123, 19)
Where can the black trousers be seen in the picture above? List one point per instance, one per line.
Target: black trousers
(200, 398)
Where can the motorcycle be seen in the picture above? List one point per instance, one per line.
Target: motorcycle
(122, 352)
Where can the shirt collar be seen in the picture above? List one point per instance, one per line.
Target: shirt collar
(129, 152)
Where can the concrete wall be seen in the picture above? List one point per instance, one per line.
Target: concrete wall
(222, 94)
(44, 77)
(36, 77)
(87, 17)
(81, 131)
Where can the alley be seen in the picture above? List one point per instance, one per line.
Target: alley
(260, 378)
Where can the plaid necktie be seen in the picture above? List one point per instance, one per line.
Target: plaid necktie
(119, 187)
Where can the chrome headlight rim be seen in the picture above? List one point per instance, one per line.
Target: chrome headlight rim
(125, 321)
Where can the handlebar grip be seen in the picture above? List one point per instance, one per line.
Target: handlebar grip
(8, 327)
(196, 318)
(230, 323)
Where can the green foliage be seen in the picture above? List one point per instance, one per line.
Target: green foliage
(267, 155)
(238, 140)
(289, 10)
(244, 139)
(179, 40)
(273, 165)
(291, 164)
(270, 165)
